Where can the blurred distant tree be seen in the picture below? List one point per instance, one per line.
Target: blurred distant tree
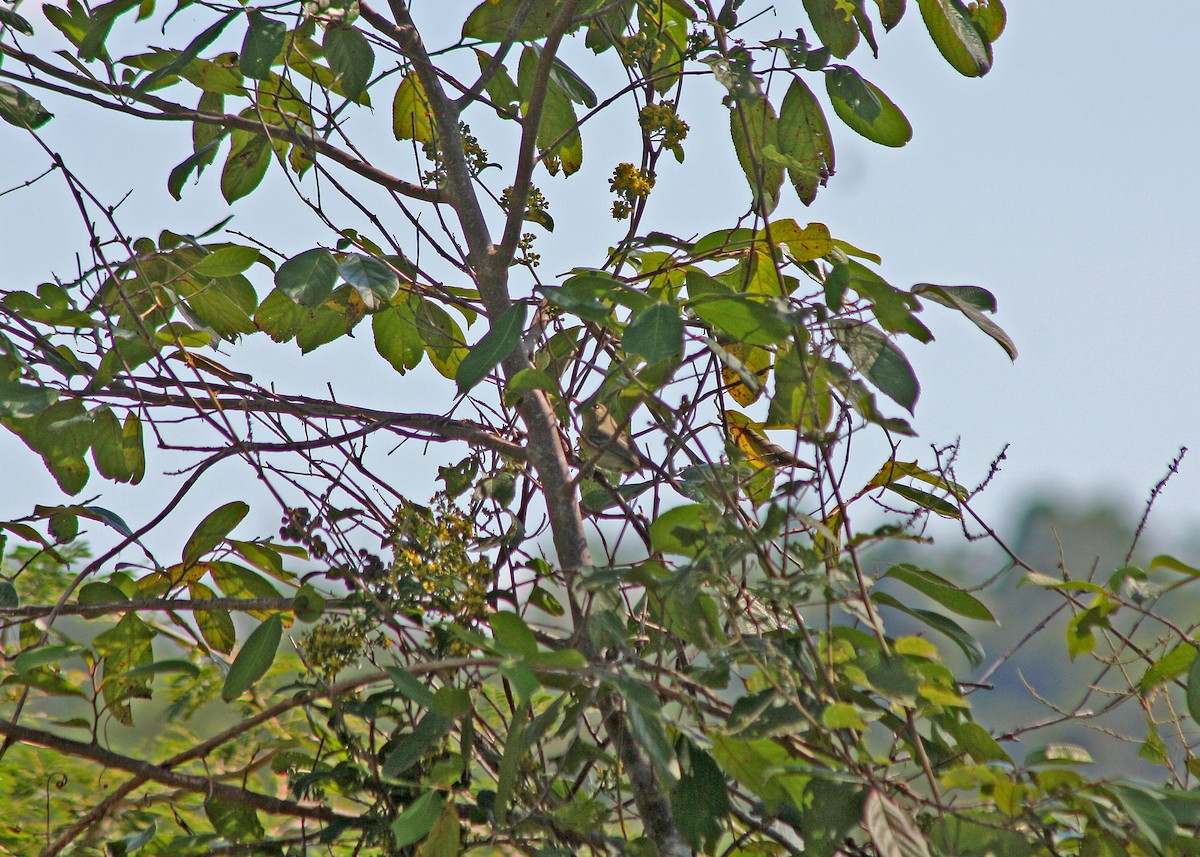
(698, 658)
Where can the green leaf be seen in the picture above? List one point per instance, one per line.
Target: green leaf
(213, 529)
(558, 131)
(233, 819)
(9, 18)
(834, 26)
(803, 138)
(941, 590)
(308, 278)
(512, 635)
(263, 44)
(942, 624)
(495, 345)
(755, 129)
(643, 716)
(417, 820)
(925, 500)
(397, 339)
(865, 108)
(254, 659)
(308, 604)
(890, 12)
(18, 107)
(226, 261)
(198, 159)
(700, 801)
(682, 530)
(247, 163)
(1170, 562)
(412, 117)
(236, 581)
(655, 334)
(374, 279)
(953, 297)
(410, 687)
(892, 831)
(216, 626)
(9, 597)
(491, 19)
(879, 360)
(407, 750)
(1170, 666)
(956, 36)
(128, 844)
(1193, 687)
(43, 655)
(191, 52)
(743, 319)
(442, 337)
(21, 401)
(1145, 809)
(351, 59)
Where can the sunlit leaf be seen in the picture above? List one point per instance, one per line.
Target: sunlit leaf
(213, 529)
(956, 36)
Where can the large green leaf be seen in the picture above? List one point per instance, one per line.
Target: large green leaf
(351, 59)
(804, 141)
(397, 338)
(9, 18)
(216, 626)
(417, 820)
(373, 278)
(700, 801)
(492, 18)
(247, 163)
(496, 344)
(263, 43)
(412, 117)
(558, 131)
(254, 659)
(213, 529)
(191, 52)
(865, 108)
(655, 334)
(755, 132)
(443, 338)
(956, 36)
(942, 591)
(961, 298)
(308, 279)
(879, 360)
(117, 449)
(834, 25)
(233, 819)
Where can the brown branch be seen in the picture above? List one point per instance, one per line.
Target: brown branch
(171, 111)
(433, 427)
(187, 782)
(35, 611)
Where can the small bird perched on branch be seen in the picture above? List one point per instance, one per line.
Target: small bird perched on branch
(607, 445)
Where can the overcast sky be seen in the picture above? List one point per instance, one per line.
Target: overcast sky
(1065, 182)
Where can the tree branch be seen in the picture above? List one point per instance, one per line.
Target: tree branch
(187, 782)
(170, 111)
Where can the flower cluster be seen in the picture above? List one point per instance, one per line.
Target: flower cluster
(630, 184)
(661, 122)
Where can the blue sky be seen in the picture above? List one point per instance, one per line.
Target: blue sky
(1065, 182)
